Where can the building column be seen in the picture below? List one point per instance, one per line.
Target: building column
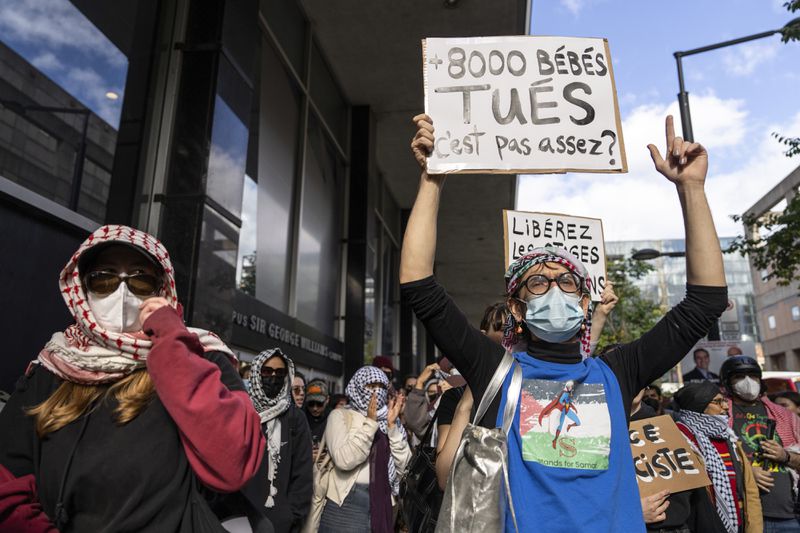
(361, 147)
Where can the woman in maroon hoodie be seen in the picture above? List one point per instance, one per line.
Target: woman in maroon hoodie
(123, 415)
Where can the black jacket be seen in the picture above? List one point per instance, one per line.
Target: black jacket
(294, 479)
(134, 477)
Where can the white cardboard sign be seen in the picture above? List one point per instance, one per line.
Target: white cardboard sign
(583, 237)
(522, 104)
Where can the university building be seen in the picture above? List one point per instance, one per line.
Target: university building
(265, 142)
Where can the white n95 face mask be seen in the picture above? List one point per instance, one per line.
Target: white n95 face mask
(118, 311)
(747, 389)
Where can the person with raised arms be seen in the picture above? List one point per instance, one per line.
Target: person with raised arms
(583, 480)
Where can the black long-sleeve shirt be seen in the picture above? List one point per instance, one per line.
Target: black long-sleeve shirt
(635, 364)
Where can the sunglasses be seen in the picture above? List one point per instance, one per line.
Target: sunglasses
(103, 283)
(315, 404)
(267, 372)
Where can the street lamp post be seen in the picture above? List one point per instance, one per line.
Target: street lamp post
(683, 96)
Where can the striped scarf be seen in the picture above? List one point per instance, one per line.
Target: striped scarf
(88, 354)
(787, 424)
(704, 428)
(513, 278)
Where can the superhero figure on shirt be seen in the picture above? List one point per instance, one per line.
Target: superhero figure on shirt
(564, 403)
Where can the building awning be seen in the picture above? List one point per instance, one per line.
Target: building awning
(374, 49)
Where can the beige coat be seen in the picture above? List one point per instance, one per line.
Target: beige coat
(348, 438)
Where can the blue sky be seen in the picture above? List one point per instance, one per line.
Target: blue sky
(61, 42)
(738, 95)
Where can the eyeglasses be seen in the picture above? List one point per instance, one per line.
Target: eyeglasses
(539, 284)
(315, 404)
(719, 402)
(102, 282)
(267, 372)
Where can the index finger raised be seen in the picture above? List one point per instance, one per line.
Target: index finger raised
(670, 132)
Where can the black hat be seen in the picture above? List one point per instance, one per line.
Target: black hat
(696, 396)
(739, 364)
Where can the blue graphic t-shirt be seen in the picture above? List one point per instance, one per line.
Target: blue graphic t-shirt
(570, 463)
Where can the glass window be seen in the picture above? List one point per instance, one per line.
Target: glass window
(328, 98)
(216, 270)
(229, 133)
(319, 241)
(287, 22)
(268, 196)
(61, 97)
(771, 322)
(795, 312)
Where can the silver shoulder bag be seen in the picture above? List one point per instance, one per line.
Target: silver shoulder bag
(477, 493)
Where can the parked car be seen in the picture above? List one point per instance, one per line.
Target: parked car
(779, 381)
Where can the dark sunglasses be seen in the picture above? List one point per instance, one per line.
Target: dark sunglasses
(267, 372)
(315, 404)
(102, 282)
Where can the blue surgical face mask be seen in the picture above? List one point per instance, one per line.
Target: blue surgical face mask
(555, 316)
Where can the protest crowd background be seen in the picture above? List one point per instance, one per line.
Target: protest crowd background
(235, 305)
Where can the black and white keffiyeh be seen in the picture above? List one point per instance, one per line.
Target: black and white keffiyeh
(269, 410)
(360, 397)
(704, 428)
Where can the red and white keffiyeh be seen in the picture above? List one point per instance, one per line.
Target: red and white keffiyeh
(85, 352)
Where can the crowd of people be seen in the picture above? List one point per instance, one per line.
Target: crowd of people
(131, 421)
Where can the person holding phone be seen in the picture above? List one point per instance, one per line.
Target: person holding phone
(766, 430)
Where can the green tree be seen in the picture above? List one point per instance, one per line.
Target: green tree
(634, 314)
(777, 252)
(247, 283)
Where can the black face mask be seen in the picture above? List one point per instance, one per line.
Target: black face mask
(652, 402)
(272, 386)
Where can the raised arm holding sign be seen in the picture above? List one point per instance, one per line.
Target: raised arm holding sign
(572, 411)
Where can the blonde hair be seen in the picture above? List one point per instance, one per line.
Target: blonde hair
(71, 400)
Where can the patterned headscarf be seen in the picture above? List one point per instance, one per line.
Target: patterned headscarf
(704, 428)
(517, 270)
(89, 354)
(360, 397)
(270, 409)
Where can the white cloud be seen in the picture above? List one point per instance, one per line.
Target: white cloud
(642, 204)
(47, 62)
(575, 7)
(92, 88)
(743, 60)
(56, 24)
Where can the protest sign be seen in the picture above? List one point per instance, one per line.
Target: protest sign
(663, 458)
(718, 352)
(522, 104)
(581, 236)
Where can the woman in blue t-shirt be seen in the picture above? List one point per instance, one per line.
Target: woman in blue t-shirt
(548, 295)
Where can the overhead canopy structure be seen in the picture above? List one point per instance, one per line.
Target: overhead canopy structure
(375, 50)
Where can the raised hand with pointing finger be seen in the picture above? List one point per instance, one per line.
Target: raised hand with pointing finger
(685, 162)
